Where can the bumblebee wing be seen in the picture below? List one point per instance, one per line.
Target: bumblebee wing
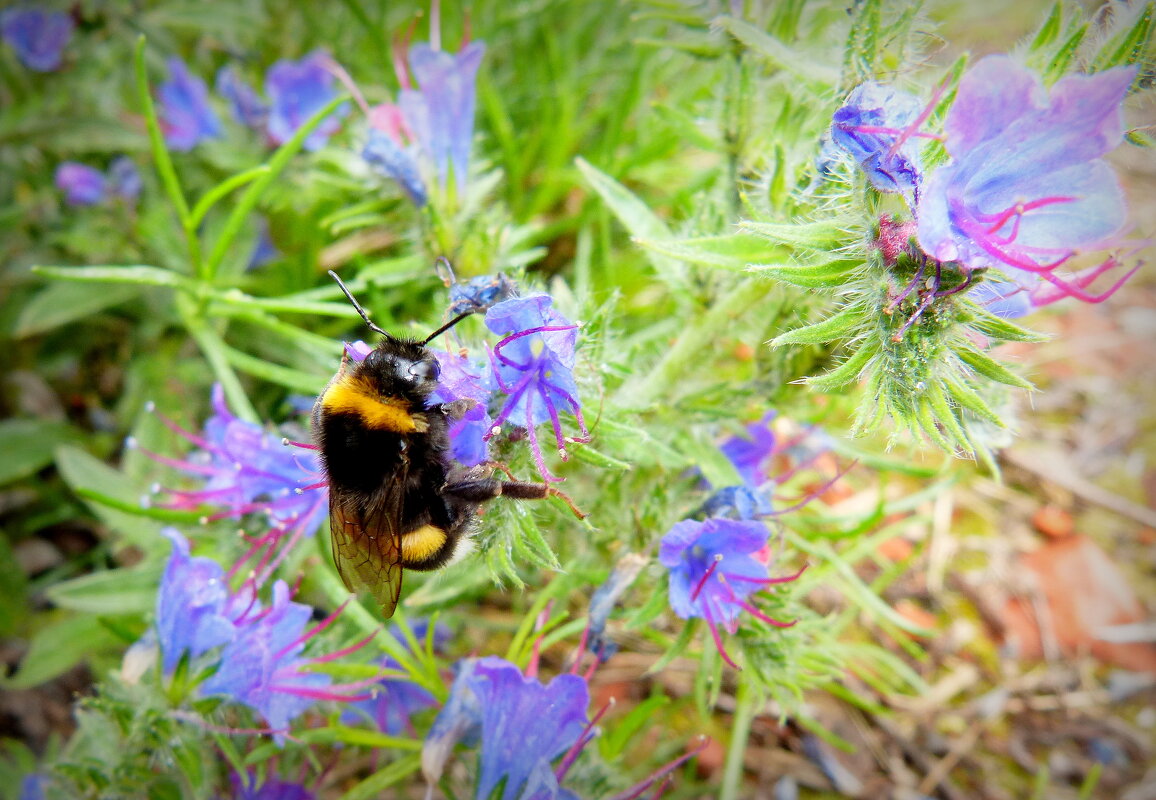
(367, 543)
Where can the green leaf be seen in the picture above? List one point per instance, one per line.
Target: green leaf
(358, 737)
(823, 236)
(1127, 47)
(58, 647)
(999, 328)
(81, 471)
(846, 372)
(1064, 55)
(164, 162)
(276, 165)
(213, 196)
(783, 56)
(215, 352)
(614, 741)
(129, 590)
(733, 252)
(837, 327)
(290, 378)
(968, 399)
(588, 455)
(990, 368)
(29, 446)
(828, 275)
(58, 304)
(137, 275)
(385, 777)
(640, 221)
(13, 590)
(1049, 30)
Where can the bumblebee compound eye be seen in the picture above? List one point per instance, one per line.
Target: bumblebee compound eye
(423, 371)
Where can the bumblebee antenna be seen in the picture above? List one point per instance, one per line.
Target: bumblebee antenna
(446, 327)
(357, 305)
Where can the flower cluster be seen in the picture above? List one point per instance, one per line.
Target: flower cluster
(37, 36)
(86, 186)
(1026, 190)
(717, 563)
(533, 365)
(260, 664)
(247, 470)
(428, 132)
(296, 90)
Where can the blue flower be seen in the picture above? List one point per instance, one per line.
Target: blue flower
(82, 185)
(441, 114)
(186, 117)
(298, 90)
(533, 365)
(1027, 189)
(124, 178)
(462, 381)
(245, 787)
(247, 106)
(263, 669)
(1003, 298)
(193, 605)
(715, 565)
(876, 126)
(751, 454)
(385, 154)
(523, 725)
(246, 470)
(38, 36)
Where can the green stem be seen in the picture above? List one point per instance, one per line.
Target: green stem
(747, 701)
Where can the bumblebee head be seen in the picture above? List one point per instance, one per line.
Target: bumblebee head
(399, 367)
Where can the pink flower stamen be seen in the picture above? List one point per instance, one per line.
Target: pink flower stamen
(582, 740)
(766, 581)
(316, 629)
(706, 576)
(710, 623)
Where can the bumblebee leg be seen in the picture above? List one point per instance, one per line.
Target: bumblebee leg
(479, 490)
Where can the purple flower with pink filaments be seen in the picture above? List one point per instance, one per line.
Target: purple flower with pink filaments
(1027, 190)
(262, 666)
(186, 117)
(714, 568)
(524, 726)
(38, 36)
(533, 365)
(462, 380)
(248, 470)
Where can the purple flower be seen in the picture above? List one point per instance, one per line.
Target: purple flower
(751, 455)
(186, 117)
(714, 567)
(1003, 298)
(265, 250)
(386, 155)
(124, 178)
(523, 725)
(738, 502)
(298, 90)
(1027, 189)
(37, 36)
(262, 667)
(192, 605)
(876, 126)
(246, 470)
(245, 788)
(247, 106)
(462, 382)
(441, 114)
(82, 185)
(533, 365)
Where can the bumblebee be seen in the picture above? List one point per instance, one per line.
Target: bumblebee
(397, 500)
